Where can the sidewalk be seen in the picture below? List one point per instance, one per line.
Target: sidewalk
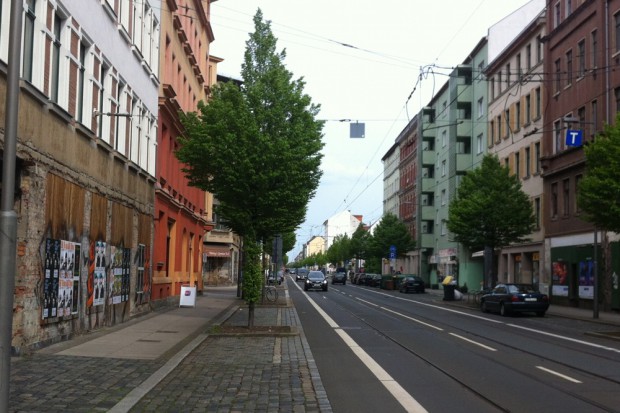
(189, 359)
(177, 360)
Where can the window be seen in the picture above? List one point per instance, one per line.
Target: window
(507, 75)
(55, 75)
(554, 200)
(480, 108)
(499, 83)
(617, 32)
(577, 183)
(528, 164)
(519, 71)
(491, 133)
(444, 227)
(518, 165)
(557, 132)
(492, 83)
(518, 116)
(81, 83)
(558, 72)
(538, 103)
(507, 123)
(569, 68)
(29, 39)
(480, 71)
(528, 109)
(594, 47)
(479, 144)
(557, 17)
(499, 128)
(528, 57)
(443, 168)
(581, 114)
(537, 212)
(444, 139)
(566, 197)
(539, 49)
(537, 156)
(582, 58)
(443, 197)
(569, 7)
(594, 118)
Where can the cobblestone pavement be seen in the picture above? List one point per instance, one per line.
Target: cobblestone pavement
(224, 373)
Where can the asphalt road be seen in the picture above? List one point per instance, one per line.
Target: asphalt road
(380, 350)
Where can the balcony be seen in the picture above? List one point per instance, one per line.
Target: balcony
(463, 162)
(429, 157)
(428, 212)
(427, 241)
(428, 184)
(464, 128)
(464, 93)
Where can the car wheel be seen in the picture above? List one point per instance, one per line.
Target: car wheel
(540, 313)
(503, 311)
(483, 307)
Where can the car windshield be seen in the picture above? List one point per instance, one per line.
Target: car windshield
(521, 289)
(316, 276)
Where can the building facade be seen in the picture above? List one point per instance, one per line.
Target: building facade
(515, 80)
(181, 214)
(407, 141)
(342, 223)
(86, 153)
(391, 180)
(583, 93)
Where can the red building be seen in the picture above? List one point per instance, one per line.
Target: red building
(182, 213)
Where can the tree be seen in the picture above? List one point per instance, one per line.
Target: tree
(257, 148)
(490, 211)
(340, 250)
(599, 189)
(359, 244)
(599, 193)
(389, 232)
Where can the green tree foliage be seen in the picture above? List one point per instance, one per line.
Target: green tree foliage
(359, 242)
(340, 250)
(257, 148)
(490, 210)
(599, 190)
(390, 231)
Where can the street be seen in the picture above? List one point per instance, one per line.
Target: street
(433, 357)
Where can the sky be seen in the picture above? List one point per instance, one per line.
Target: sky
(376, 63)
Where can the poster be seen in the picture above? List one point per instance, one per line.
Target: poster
(50, 282)
(560, 279)
(75, 292)
(119, 279)
(65, 278)
(99, 275)
(586, 279)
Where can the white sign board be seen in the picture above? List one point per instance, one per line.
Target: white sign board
(188, 296)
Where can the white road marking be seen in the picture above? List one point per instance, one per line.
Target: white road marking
(412, 319)
(400, 394)
(474, 342)
(555, 373)
(574, 340)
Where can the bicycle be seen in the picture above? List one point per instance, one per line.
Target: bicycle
(271, 293)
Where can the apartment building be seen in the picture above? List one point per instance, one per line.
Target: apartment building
(515, 118)
(582, 49)
(86, 153)
(183, 214)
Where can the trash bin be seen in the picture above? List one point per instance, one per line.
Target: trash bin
(388, 284)
(448, 292)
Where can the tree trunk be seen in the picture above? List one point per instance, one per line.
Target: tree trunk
(606, 284)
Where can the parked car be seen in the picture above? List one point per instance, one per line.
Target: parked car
(365, 278)
(374, 280)
(412, 283)
(339, 278)
(315, 280)
(356, 277)
(302, 274)
(515, 298)
(273, 279)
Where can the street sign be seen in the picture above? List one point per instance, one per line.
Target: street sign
(574, 137)
(392, 252)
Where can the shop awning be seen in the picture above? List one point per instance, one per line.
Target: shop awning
(217, 250)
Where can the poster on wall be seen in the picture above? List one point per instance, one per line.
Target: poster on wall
(119, 280)
(99, 276)
(560, 279)
(586, 279)
(65, 279)
(50, 282)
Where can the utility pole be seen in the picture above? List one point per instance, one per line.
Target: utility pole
(8, 217)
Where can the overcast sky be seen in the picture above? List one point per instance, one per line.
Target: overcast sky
(363, 61)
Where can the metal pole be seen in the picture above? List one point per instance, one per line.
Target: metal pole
(595, 269)
(8, 217)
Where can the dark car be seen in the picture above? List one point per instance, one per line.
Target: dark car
(356, 277)
(374, 281)
(412, 283)
(365, 278)
(315, 280)
(339, 278)
(515, 298)
(302, 274)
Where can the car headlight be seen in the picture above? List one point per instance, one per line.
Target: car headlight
(324, 281)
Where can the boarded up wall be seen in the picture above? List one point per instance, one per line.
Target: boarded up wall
(64, 208)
